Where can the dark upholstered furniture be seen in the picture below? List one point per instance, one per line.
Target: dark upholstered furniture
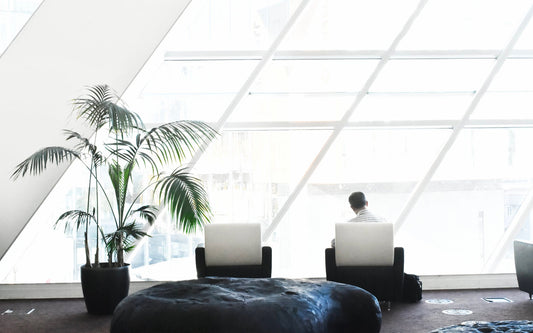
(249, 305)
(384, 282)
(523, 258)
(365, 256)
(264, 270)
(233, 250)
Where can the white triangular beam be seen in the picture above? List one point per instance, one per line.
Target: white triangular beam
(64, 47)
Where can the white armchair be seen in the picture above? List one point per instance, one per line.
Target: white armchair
(233, 250)
(365, 256)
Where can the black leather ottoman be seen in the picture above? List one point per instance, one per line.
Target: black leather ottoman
(249, 305)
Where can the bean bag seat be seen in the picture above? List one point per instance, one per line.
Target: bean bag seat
(249, 305)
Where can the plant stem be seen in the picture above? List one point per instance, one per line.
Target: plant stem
(120, 250)
(97, 210)
(87, 258)
(86, 241)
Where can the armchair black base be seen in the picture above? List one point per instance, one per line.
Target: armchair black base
(384, 282)
(249, 271)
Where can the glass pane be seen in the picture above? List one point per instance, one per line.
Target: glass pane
(412, 106)
(193, 77)
(309, 76)
(199, 90)
(435, 75)
(291, 107)
(526, 40)
(304, 91)
(249, 174)
(348, 25)
(515, 75)
(510, 93)
(465, 25)
(385, 164)
(229, 25)
(168, 255)
(423, 90)
(471, 201)
(504, 105)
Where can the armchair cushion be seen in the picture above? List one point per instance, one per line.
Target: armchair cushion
(364, 244)
(233, 250)
(233, 244)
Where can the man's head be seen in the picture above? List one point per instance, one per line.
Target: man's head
(357, 200)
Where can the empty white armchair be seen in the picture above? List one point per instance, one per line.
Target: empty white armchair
(233, 250)
(523, 259)
(365, 256)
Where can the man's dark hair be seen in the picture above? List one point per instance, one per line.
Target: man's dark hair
(357, 200)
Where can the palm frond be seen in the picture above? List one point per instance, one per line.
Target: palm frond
(128, 153)
(186, 199)
(127, 234)
(119, 179)
(122, 149)
(146, 212)
(116, 176)
(174, 141)
(38, 161)
(78, 217)
(122, 120)
(100, 107)
(112, 242)
(84, 143)
(131, 230)
(92, 107)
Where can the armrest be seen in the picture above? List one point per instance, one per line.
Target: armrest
(200, 262)
(266, 261)
(331, 265)
(398, 272)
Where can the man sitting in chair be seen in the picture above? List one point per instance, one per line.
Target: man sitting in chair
(359, 205)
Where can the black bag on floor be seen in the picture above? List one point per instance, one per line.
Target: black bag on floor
(412, 288)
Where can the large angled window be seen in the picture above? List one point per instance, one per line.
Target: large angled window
(337, 110)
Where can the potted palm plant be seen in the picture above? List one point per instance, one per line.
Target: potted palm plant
(119, 146)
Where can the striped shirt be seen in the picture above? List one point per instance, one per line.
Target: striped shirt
(364, 215)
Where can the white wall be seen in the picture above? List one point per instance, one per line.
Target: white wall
(65, 46)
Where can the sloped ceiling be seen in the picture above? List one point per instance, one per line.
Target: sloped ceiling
(66, 46)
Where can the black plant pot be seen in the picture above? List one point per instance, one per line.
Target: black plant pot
(104, 287)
